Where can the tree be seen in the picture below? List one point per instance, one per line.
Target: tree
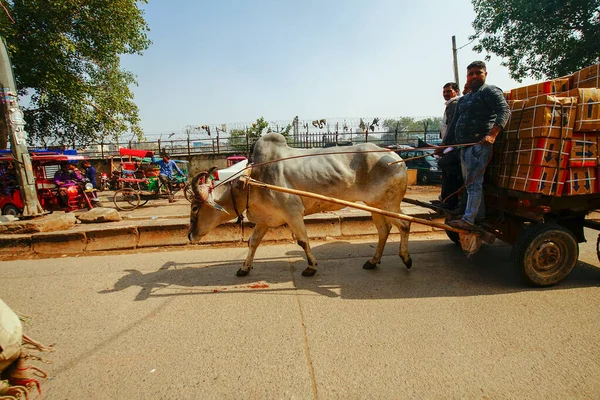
(237, 138)
(547, 38)
(66, 59)
(407, 128)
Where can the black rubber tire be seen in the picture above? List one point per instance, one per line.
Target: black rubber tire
(545, 254)
(454, 236)
(9, 209)
(422, 179)
(126, 199)
(598, 247)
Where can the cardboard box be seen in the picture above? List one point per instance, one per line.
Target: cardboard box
(587, 78)
(584, 150)
(532, 179)
(587, 118)
(549, 87)
(542, 116)
(580, 181)
(544, 152)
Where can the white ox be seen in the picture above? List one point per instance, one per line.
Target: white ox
(355, 175)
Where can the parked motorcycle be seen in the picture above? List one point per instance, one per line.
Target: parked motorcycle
(104, 184)
(78, 196)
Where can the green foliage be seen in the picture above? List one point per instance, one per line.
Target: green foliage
(406, 128)
(238, 136)
(66, 58)
(539, 38)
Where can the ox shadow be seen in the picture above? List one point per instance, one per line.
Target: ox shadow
(184, 279)
(440, 269)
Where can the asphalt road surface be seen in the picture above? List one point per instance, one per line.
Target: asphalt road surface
(180, 325)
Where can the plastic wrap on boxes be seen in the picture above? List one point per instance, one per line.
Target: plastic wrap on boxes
(542, 116)
(580, 181)
(587, 78)
(584, 150)
(544, 152)
(549, 87)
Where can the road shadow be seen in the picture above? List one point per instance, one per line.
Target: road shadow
(440, 269)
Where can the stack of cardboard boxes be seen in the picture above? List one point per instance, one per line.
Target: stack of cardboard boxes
(550, 144)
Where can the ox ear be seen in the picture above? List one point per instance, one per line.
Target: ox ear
(212, 203)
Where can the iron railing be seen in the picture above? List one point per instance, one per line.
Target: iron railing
(243, 144)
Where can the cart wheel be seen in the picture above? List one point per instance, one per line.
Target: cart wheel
(187, 192)
(545, 254)
(143, 200)
(9, 209)
(598, 247)
(126, 199)
(454, 236)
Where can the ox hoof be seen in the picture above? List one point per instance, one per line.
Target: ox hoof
(370, 265)
(309, 272)
(408, 263)
(241, 272)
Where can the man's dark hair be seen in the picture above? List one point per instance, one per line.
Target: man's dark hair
(164, 154)
(476, 64)
(452, 84)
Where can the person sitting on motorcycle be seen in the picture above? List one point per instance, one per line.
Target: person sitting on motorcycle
(66, 177)
(89, 172)
(166, 172)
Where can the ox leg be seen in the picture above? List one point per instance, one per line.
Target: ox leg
(404, 228)
(299, 230)
(383, 228)
(257, 234)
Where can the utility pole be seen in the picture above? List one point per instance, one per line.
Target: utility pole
(455, 61)
(15, 123)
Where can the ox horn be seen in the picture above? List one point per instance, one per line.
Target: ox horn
(209, 198)
(196, 180)
(209, 175)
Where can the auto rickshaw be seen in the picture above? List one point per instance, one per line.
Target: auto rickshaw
(45, 165)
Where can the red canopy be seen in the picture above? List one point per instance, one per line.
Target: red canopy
(135, 152)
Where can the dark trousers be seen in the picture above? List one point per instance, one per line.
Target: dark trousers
(452, 179)
(166, 182)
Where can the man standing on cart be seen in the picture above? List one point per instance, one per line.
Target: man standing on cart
(166, 172)
(480, 116)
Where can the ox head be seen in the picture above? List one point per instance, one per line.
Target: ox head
(205, 213)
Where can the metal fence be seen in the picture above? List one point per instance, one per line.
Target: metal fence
(243, 144)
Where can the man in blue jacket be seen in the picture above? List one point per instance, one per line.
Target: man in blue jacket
(166, 172)
(480, 116)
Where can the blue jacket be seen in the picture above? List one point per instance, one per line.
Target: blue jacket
(477, 112)
(90, 173)
(166, 168)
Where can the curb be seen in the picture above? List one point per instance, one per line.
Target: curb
(91, 238)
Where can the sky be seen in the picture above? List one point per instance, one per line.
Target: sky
(233, 61)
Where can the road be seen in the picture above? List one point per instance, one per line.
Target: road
(180, 324)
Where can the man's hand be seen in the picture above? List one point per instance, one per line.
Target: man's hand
(490, 138)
